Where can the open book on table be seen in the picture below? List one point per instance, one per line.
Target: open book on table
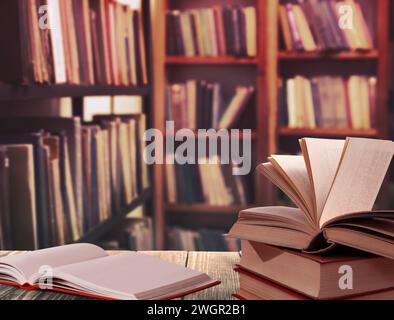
(87, 270)
(334, 184)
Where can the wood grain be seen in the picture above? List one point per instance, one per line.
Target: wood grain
(219, 266)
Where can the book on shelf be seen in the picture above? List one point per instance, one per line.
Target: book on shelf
(200, 105)
(216, 31)
(212, 184)
(135, 234)
(77, 42)
(315, 276)
(334, 184)
(67, 181)
(201, 240)
(328, 102)
(313, 25)
(87, 270)
(257, 288)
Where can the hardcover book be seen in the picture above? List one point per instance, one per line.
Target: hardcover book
(335, 184)
(87, 270)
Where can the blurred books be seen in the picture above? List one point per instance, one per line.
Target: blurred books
(328, 102)
(200, 105)
(217, 31)
(313, 25)
(74, 42)
(201, 240)
(59, 179)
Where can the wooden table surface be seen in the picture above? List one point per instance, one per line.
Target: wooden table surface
(217, 265)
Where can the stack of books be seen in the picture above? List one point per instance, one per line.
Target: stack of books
(70, 176)
(200, 105)
(309, 252)
(75, 42)
(217, 31)
(328, 102)
(201, 240)
(312, 25)
(213, 184)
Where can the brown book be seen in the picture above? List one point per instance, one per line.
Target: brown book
(317, 276)
(72, 128)
(335, 184)
(22, 186)
(257, 288)
(5, 217)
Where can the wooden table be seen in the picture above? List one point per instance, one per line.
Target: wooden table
(217, 265)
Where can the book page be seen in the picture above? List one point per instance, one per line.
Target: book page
(322, 158)
(30, 263)
(359, 179)
(293, 170)
(130, 275)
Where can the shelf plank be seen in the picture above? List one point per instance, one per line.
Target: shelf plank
(35, 91)
(203, 208)
(372, 133)
(108, 225)
(241, 135)
(174, 60)
(343, 55)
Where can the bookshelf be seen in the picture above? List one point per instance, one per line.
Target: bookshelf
(32, 94)
(169, 69)
(369, 62)
(265, 70)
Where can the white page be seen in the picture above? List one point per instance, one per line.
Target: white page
(128, 274)
(30, 263)
(323, 157)
(359, 178)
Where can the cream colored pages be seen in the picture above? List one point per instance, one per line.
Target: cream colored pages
(293, 168)
(29, 264)
(130, 275)
(359, 178)
(322, 159)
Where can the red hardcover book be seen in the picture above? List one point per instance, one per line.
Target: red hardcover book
(87, 270)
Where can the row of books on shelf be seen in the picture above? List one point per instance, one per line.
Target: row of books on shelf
(211, 183)
(200, 105)
(75, 42)
(328, 102)
(217, 31)
(313, 25)
(201, 240)
(60, 178)
(134, 234)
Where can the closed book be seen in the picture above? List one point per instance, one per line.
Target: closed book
(257, 288)
(5, 214)
(187, 34)
(72, 128)
(251, 31)
(297, 41)
(318, 276)
(314, 24)
(285, 28)
(308, 42)
(170, 35)
(22, 186)
(41, 210)
(180, 47)
(229, 31)
(316, 103)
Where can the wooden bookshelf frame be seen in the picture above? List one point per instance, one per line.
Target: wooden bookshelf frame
(14, 92)
(268, 133)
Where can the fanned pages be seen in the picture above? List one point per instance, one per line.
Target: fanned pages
(87, 270)
(334, 184)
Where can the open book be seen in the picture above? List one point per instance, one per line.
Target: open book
(87, 270)
(335, 184)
